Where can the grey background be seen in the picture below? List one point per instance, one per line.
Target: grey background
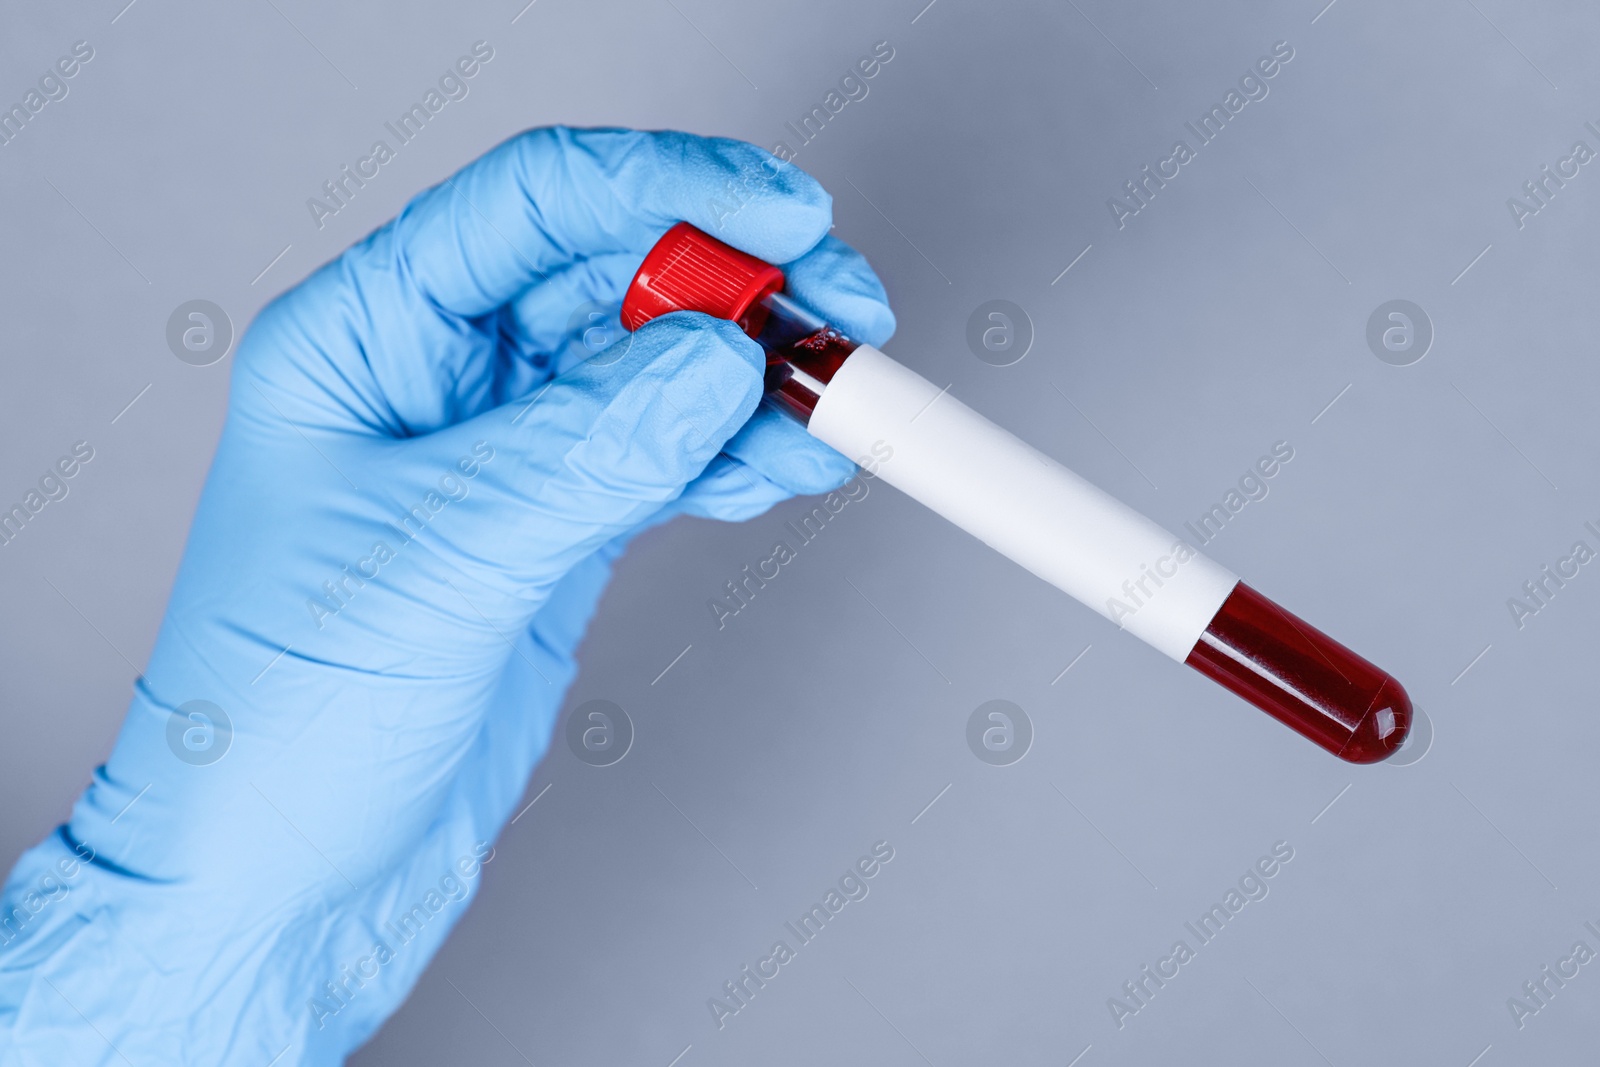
(824, 718)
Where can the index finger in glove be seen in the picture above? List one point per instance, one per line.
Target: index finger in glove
(550, 196)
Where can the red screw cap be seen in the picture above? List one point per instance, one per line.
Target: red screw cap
(689, 270)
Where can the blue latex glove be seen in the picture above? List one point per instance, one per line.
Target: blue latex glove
(233, 911)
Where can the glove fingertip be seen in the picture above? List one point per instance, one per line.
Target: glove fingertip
(838, 283)
(816, 471)
(780, 450)
(763, 205)
(730, 491)
(706, 369)
(864, 318)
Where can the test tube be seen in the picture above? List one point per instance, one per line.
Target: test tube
(1025, 505)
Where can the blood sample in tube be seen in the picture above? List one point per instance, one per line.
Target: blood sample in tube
(1027, 506)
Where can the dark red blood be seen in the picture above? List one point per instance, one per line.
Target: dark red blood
(1303, 678)
(796, 372)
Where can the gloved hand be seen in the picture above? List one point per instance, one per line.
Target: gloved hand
(411, 514)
